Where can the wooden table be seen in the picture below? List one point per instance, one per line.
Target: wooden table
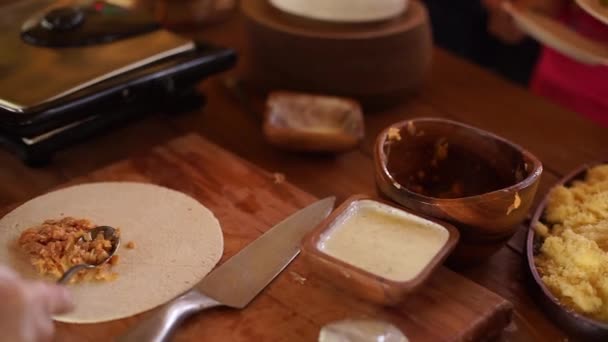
(455, 89)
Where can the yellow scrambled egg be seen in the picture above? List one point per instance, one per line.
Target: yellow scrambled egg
(573, 260)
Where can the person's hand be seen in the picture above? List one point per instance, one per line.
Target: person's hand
(26, 307)
(500, 23)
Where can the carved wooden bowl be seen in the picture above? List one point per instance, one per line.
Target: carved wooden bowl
(357, 281)
(482, 183)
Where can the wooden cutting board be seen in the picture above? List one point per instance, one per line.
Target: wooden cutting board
(248, 201)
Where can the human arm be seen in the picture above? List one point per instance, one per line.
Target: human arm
(500, 23)
(27, 307)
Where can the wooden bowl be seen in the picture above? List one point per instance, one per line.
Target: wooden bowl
(582, 327)
(357, 281)
(376, 63)
(482, 183)
(314, 123)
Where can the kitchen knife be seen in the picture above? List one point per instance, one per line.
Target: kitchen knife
(237, 281)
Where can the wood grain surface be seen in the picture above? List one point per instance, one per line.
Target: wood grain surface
(454, 89)
(247, 202)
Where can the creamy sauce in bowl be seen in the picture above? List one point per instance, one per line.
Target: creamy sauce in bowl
(383, 240)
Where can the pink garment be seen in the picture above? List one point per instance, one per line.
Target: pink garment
(579, 87)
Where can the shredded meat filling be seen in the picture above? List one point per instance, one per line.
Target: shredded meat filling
(54, 247)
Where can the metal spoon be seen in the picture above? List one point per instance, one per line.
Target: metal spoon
(109, 233)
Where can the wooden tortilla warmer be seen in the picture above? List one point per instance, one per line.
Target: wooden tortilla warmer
(376, 63)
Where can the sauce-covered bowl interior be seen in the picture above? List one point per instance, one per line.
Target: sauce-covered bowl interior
(483, 184)
(377, 251)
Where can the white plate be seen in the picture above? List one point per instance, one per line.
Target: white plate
(345, 11)
(595, 8)
(559, 37)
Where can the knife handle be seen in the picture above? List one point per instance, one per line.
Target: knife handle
(161, 324)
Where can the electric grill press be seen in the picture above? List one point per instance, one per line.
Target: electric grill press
(67, 72)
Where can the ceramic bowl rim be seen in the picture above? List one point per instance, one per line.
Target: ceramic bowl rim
(380, 155)
(310, 246)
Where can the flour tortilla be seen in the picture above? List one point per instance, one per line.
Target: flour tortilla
(178, 241)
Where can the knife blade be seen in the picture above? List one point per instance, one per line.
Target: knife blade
(239, 280)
